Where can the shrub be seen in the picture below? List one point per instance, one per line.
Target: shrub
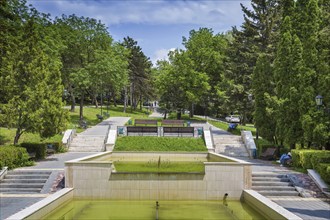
(13, 156)
(38, 148)
(318, 160)
(324, 170)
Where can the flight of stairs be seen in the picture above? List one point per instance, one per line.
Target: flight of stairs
(24, 181)
(273, 184)
(87, 143)
(230, 145)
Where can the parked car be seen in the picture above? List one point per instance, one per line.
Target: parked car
(233, 119)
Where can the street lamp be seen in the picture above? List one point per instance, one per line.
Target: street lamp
(319, 100)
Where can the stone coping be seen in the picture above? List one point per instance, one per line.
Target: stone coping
(318, 180)
(39, 209)
(266, 207)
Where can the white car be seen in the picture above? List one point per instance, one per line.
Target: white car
(233, 119)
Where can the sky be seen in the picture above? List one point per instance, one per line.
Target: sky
(157, 25)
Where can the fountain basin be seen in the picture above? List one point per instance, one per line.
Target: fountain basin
(95, 177)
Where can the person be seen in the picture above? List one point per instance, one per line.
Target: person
(285, 159)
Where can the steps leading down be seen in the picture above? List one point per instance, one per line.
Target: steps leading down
(24, 181)
(273, 184)
(87, 143)
(230, 145)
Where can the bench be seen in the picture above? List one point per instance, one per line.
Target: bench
(173, 123)
(83, 124)
(100, 117)
(50, 149)
(32, 155)
(268, 154)
(179, 131)
(140, 130)
(145, 122)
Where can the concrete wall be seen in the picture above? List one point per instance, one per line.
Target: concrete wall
(95, 179)
(266, 207)
(40, 209)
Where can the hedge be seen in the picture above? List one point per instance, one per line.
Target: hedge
(13, 156)
(41, 148)
(318, 160)
(38, 148)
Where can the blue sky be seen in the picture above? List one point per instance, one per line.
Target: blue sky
(157, 25)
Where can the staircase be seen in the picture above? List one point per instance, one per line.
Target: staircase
(273, 184)
(87, 143)
(24, 181)
(230, 145)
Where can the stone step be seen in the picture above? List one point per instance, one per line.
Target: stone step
(268, 183)
(270, 179)
(23, 180)
(261, 174)
(273, 188)
(20, 190)
(29, 172)
(277, 193)
(86, 149)
(11, 176)
(21, 185)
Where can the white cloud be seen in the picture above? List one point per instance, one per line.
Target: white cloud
(149, 12)
(161, 54)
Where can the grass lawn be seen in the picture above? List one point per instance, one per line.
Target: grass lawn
(7, 135)
(140, 143)
(165, 166)
(237, 131)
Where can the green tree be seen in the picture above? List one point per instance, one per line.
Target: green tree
(139, 73)
(31, 73)
(262, 91)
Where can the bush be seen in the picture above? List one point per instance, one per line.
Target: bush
(324, 170)
(13, 156)
(318, 160)
(38, 148)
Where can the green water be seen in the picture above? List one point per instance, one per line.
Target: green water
(145, 210)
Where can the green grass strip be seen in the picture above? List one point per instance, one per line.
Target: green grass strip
(139, 143)
(165, 166)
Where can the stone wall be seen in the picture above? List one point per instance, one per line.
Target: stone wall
(95, 179)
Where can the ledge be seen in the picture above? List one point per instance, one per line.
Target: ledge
(318, 180)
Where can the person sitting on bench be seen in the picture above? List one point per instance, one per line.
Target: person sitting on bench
(285, 159)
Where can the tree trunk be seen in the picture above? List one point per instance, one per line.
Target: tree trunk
(125, 99)
(191, 113)
(95, 101)
(17, 136)
(140, 103)
(165, 114)
(178, 115)
(81, 116)
(73, 102)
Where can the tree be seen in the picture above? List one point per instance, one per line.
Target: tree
(139, 73)
(31, 73)
(207, 53)
(263, 89)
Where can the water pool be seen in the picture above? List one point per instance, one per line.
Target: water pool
(144, 210)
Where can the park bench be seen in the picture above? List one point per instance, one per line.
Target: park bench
(106, 114)
(178, 131)
(268, 154)
(50, 149)
(145, 122)
(100, 117)
(83, 124)
(142, 130)
(173, 123)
